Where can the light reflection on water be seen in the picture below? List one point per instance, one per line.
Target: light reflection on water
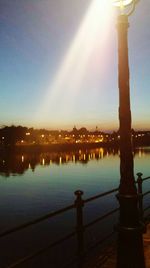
(34, 184)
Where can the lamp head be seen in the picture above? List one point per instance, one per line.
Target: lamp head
(122, 3)
(125, 6)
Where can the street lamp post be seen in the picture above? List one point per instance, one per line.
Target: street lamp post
(130, 244)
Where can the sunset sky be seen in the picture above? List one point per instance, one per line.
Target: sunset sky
(58, 64)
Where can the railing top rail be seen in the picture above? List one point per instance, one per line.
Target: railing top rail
(146, 193)
(52, 214)
(38, 220)
(146, 178)
(106, 215)
(139, 174)
(100, 195)
(41, 251)
(78, 204)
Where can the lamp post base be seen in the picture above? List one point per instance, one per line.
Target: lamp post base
(130, 253)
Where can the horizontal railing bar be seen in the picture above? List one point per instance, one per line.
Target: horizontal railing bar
(147, 219)
(39, 252)
(146, 208)
(61, 240)
(38, 220)
(52, 214)
(148, 192)
(102, 240)
(100, 195)
(144, 179)
(101, 218)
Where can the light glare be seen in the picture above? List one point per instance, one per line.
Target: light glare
(70, 78)
(122, 3)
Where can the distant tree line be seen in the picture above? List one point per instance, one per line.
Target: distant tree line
(14, 135)
(10, 135)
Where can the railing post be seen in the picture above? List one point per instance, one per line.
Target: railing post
(79, 203)
(140, 193)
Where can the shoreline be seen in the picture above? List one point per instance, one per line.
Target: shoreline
(37, 148)
(55, 147)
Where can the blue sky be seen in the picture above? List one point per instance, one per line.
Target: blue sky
(58, 64)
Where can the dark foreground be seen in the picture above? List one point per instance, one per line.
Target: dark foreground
(109, 258)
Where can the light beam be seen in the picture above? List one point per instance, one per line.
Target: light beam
(60, 98)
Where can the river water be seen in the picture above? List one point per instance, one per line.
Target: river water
(34, 184)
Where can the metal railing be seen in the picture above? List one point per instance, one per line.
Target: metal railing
(141, 195)
(80, 226)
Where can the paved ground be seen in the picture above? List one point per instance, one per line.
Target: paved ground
(109, 260)
(146, 240)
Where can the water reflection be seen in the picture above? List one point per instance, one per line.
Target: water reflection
(17, 164)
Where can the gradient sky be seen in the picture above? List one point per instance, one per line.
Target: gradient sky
(58, 64)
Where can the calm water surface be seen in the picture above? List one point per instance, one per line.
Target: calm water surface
(34, 184)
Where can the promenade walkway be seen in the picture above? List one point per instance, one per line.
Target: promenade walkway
(110, 257)
(146, 239)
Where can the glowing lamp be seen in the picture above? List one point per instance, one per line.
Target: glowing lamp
(126, 6)
(122, 3)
